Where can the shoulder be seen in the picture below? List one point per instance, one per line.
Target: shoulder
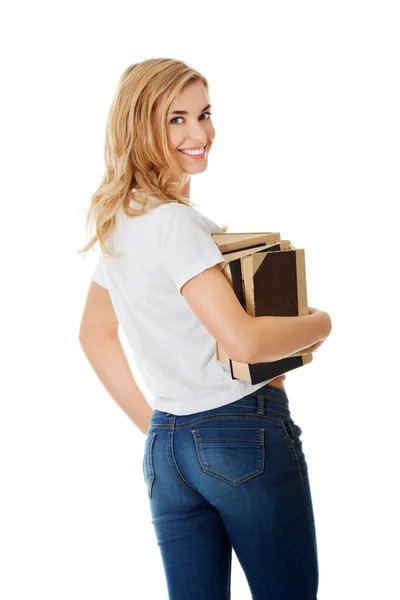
(176, 213)
(174, 207)
(175, 217)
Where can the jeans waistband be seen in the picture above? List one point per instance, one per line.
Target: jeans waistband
(268, 399)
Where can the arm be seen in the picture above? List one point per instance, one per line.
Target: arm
(273, 338)
(244, 338)
(99, 340)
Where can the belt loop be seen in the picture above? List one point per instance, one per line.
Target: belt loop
(261, 404)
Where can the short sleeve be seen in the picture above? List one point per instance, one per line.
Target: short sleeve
(99, 275)
(183, 243)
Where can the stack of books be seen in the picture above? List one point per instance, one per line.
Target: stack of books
(268, 276)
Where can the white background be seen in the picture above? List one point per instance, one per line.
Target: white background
(305, 100)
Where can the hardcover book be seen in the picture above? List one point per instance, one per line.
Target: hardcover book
(268, 277)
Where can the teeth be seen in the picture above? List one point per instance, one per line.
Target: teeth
(195, 152)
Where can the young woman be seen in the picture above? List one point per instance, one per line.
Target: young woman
(223, 463)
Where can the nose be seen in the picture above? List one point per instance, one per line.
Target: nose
(198, 135)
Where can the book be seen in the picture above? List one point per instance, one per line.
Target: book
(268, 277)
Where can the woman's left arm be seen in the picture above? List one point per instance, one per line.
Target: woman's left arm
(108, 359)
(99, 340)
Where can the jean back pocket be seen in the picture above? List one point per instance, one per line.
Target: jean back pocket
(232, 454)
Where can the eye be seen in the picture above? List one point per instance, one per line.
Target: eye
(175, 118)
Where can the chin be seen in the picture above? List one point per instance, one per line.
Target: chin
(193, 171)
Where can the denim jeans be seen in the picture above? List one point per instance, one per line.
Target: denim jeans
(232, 477)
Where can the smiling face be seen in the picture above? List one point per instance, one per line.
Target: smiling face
(189, 126)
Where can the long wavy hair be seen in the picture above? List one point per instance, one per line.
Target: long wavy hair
(136, 149)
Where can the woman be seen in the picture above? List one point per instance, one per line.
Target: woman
(223, 462)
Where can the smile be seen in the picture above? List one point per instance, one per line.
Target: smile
(194, 153)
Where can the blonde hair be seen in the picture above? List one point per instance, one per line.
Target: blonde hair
(136, 148)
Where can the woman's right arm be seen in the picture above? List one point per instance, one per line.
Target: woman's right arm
(273, 338)
(245, 338)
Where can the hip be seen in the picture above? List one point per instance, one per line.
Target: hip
(278, 382)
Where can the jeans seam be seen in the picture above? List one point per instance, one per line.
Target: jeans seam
(224, 416)
(311, 530)
(175, 466)
(304, 497)
(292, 446)
(148, 465)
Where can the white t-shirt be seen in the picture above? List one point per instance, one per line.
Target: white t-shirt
(174, 352)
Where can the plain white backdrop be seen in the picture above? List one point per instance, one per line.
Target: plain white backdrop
(305, 100)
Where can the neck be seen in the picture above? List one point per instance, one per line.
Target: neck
(186, 189)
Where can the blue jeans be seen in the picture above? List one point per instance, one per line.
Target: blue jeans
(232, 477)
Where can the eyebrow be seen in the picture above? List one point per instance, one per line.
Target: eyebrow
(185, 112)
